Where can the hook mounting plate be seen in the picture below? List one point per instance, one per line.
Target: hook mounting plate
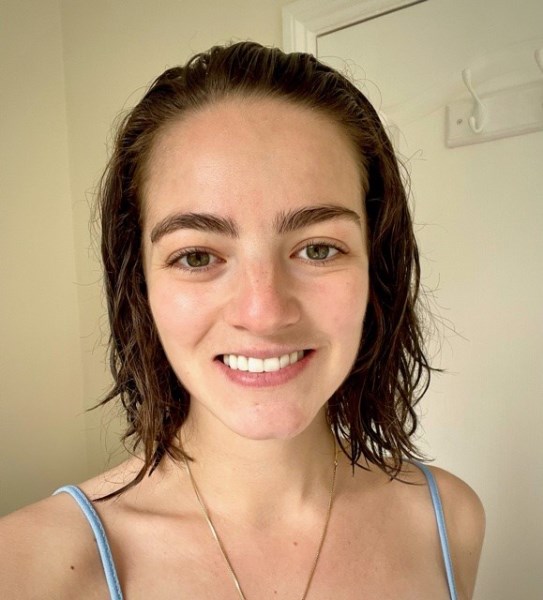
(512, 111)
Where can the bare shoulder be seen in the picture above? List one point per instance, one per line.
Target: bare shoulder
(463, 510)
(46, 551)
(465, 519)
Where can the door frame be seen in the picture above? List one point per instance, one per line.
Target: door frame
(305, 20)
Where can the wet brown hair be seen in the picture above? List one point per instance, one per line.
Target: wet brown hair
(372, 413)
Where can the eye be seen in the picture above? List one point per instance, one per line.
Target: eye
(193, 259)
(319, 252)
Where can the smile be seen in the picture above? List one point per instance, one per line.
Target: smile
(261, 365)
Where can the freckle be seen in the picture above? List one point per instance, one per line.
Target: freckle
(295, 543)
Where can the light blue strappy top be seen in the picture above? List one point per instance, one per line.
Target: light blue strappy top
(110, 572)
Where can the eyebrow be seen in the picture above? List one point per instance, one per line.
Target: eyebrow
(198, 221)
(292, 220)
(284, 222)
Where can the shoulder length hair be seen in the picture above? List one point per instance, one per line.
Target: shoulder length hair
(372, 413)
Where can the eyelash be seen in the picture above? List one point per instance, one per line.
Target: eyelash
(174, 261)
(325, 261)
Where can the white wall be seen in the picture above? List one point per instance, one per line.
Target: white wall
(67, 69)
(112, 51)
(483, 251)
(479, 215)
(42, 436)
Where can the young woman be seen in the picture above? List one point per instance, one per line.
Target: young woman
(262, 278)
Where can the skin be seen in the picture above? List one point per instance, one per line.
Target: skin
(260, 292)
(263, 456)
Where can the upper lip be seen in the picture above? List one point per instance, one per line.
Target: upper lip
(266, 353)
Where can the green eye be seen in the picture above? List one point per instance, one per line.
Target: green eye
(193, 260)
(318, 251)
(196, 260)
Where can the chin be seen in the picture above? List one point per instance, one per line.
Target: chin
(266, 425)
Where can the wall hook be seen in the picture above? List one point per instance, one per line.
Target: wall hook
(479, 116)
(538, 55)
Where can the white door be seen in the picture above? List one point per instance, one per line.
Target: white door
(479, 215)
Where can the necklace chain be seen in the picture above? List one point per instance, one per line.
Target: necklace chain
(223, 550)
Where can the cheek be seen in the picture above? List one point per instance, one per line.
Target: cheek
(179, 316)
(344, 306)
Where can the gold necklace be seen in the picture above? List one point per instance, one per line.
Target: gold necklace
(223, 550)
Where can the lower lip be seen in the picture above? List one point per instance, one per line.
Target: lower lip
(261, 380)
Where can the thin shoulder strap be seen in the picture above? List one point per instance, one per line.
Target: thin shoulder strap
(100, 535)
(442, 529)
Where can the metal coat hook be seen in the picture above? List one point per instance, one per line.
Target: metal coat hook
(538, 55)
(479, 116)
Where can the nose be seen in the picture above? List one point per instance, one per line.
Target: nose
(264, 299)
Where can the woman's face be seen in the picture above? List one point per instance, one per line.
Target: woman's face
(256, 263)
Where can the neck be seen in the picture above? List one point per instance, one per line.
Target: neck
(261, 480)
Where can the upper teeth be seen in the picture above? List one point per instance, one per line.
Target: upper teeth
(261, 365)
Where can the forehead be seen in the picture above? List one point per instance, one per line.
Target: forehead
(256, 153)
